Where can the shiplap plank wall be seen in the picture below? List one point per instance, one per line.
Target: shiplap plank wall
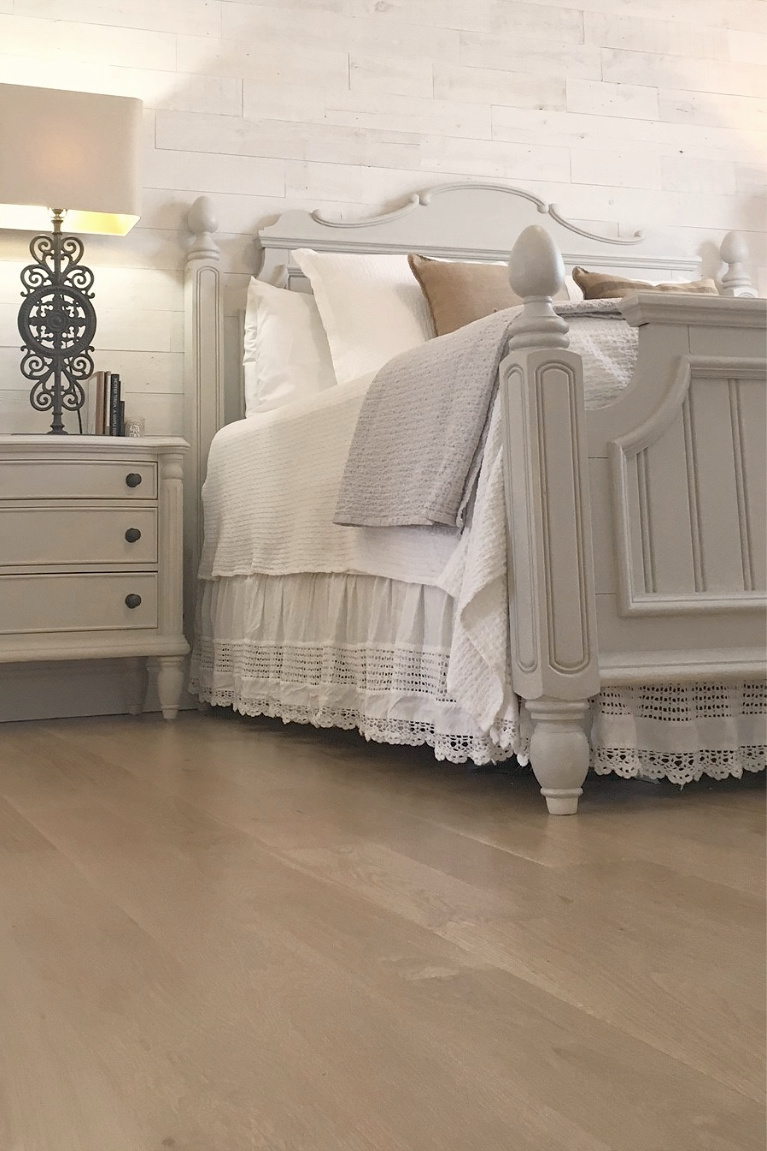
(643, 111)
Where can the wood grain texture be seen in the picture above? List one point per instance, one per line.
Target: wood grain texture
(226, 935)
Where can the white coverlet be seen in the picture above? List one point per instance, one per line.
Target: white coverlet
(271, 491)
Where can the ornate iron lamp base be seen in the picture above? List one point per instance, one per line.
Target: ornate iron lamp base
(57, 323)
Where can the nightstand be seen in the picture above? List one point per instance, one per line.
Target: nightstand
(91, 554)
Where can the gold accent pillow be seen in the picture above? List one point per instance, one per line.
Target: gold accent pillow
(605, 286)
(459, 293)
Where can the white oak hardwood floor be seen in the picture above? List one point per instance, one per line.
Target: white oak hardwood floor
(230, 935)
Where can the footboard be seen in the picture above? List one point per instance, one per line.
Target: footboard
(679, 491)
(637, 544)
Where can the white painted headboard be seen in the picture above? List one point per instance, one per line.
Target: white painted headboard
(479, 221)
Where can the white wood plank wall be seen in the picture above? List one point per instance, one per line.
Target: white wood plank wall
(647, 111)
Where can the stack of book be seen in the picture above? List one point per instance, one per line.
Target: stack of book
(103, 413)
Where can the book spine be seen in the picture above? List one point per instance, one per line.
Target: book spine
(90, 406)
(88, 410)
(105, 385)
(98, 415)
(121, 420)
(114, 404)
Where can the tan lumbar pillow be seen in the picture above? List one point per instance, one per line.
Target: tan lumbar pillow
(459, 293)
(605, 286)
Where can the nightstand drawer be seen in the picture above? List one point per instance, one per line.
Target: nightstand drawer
(37, 536)
(61, 603)
(79, 479)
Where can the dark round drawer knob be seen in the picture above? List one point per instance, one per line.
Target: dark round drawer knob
(133, 535)
(132, 600)
(133, 479)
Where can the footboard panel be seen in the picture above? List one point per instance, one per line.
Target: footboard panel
(689, 489)
(679, 495)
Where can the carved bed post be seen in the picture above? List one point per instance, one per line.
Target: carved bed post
(551, 576)
(203, 381)
(736, 280)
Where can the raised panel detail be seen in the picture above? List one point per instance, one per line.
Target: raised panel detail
(751, 413)
(562, 519)
(522, 576)
(712, 466)
(689, 490)
(553, 649)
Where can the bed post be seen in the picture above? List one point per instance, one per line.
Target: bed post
(551, 576)
(736, 280)
(203, 380)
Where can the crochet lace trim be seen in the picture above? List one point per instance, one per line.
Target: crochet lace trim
(680, 767)
(338, 684)
(398, 732)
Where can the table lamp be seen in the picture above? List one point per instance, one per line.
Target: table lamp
(66, 158)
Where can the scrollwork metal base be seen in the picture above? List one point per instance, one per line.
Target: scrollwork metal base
(57, 323)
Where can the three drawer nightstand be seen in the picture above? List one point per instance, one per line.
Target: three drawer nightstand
(91, 554)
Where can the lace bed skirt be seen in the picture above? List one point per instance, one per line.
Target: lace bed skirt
(342, 651)
(680, 731)
(371, 654)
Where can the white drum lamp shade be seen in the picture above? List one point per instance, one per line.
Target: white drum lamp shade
(75, 151)
(69, 163)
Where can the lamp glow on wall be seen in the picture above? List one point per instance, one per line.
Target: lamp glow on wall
(73, 159)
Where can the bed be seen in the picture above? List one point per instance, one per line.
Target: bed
(601, 605)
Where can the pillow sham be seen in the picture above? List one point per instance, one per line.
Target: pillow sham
(460, 292)
(371, 308)
(285, 349)
(605, 286)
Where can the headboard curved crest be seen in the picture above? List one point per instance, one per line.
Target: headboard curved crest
(479, 220)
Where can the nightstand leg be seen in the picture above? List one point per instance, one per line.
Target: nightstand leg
(170, 682)
(135, 685)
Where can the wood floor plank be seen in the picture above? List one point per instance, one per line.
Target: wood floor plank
(215, 938)
(614, 955)
(494, 809)
(17, 834)
(564, 1038)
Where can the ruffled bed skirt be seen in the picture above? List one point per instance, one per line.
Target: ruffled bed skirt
(680, 731)
(372, 654)
(342, 651)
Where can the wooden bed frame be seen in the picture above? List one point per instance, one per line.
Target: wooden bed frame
(637, 532)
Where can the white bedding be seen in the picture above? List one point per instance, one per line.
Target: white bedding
(273, 479)
(271, 491)
(270, 498)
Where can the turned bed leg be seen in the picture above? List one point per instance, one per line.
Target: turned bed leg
(559, 752)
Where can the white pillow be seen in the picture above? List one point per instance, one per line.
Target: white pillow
(574, 293)
(286, 354)
(371, 307)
